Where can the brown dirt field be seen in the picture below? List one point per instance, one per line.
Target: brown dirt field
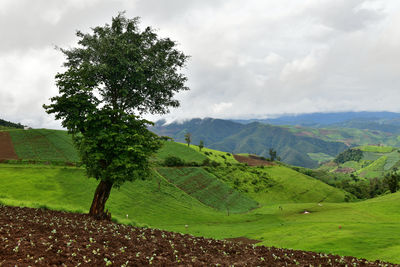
(345, 170)
(6, 147)
(252, 160)
(37, 237)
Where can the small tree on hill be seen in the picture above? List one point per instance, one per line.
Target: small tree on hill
(272, 154)
(201, 145)
(116, 74)
(188, 138)
(392, 180)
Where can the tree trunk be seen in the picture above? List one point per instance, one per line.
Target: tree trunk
(99, 201)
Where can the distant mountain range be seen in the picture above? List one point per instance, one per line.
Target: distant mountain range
(327, 119)
(296, 142)
(254, 138)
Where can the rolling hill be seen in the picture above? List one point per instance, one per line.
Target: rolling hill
(328, 119)
(293, 210)
(255, 138)
(373, 162)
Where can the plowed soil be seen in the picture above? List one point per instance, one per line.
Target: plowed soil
(6, 147)
(36, 237)
(345, 170)
(252, 160)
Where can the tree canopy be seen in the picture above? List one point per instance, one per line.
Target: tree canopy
(115, 75)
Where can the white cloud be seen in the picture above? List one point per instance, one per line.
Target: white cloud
(221, 107)
(247, 58)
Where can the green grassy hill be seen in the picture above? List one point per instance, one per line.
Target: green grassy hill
(375, 162)
(204, 187)
(293, 211)
(367, 228)
(255, 138)
(44, 145)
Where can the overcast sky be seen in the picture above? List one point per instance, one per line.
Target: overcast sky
(249, 58)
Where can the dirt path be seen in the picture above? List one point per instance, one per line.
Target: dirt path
(252, 160)
(6, 147)
(37, 237)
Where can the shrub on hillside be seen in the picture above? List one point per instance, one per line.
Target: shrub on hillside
(206, 162)
(349, 155)
(173, 161)
(214, 163)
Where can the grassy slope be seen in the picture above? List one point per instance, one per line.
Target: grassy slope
(278, 184)
(320, 157)
(43, 144)
(376, 149)
(375, 163)
(367, 227)
(180, 150)
(207, 189)
(348, 135)
(192, 153)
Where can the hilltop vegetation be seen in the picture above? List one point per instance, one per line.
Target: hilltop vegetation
(7, 125)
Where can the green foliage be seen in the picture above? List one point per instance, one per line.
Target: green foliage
(364, 189)
(173, 161)
(188, 138)
(115, 75)
(7, 124)
(272, 154)
(392, 180)
(222, 158)
(201, 145)
(349, 155)
(116, 150)
(207, 189)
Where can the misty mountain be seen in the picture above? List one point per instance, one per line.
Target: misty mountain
(336, 119)
(253, 137)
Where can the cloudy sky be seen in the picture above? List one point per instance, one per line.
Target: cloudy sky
(251, 58)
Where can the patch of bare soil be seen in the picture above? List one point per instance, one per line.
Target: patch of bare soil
(345, 170)
(6, 147)
(36, 237)
(253, 160)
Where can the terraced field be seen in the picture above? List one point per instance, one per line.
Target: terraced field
(43, 145)
(203, 186)
(376, 161)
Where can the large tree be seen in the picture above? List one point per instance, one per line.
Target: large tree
(115, 75)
